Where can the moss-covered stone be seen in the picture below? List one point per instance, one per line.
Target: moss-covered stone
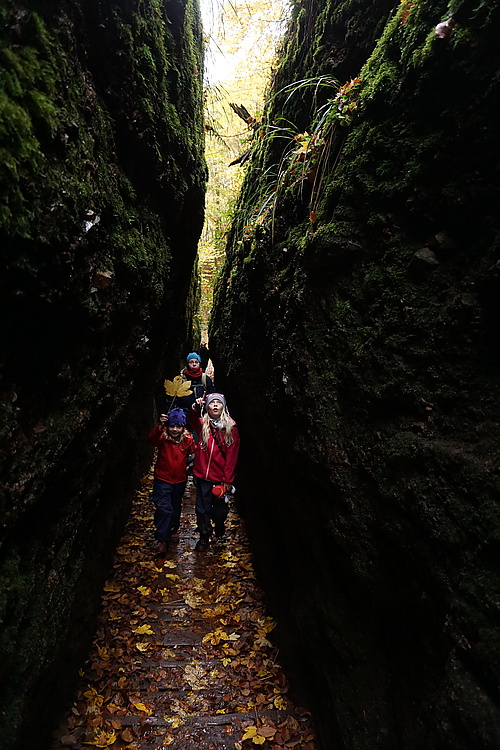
(101, 205)
(362, 309)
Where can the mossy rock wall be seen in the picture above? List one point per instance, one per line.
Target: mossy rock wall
(356, 322)
(102, 183)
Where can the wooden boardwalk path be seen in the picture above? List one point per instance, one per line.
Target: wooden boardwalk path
(183, 656)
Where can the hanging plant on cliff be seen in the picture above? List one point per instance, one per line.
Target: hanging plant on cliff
(306, 156)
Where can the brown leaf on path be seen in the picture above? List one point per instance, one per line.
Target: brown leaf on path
(267, 731)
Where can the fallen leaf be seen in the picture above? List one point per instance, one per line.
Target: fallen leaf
(267, 731)
(250, 732)
(144, 630)
(102, 739)
(142, 708)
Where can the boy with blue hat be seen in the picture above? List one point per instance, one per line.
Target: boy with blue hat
(174, 444)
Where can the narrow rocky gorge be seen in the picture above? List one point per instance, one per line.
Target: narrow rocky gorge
(354, 332)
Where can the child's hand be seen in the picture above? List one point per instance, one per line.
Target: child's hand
(163, 418)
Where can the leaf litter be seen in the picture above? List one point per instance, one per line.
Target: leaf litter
(183, 657)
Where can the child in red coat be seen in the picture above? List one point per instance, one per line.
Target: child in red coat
(174, 444)
(214, 464)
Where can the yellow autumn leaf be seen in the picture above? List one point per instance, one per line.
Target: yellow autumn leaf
(178, 387)
(144, 590)
(142, 707)
(176, 722)
(172, 576)
(102, 652)
(258, 739)
(93, 697)
(212, 637)
(300, 137)
(219, 635)
(279, 703)
(249, 733)
(143, 630)
(142, 646)
(269, 624)
(102, 739)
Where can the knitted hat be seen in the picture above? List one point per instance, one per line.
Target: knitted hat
(193, 355)
(217, 396)
(177, 416)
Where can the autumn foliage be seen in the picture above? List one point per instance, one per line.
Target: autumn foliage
(183, 656)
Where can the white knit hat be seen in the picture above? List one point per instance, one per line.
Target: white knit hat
(217, 396)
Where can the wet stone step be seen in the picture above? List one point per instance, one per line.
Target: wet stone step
(218, 731)
(183, 656)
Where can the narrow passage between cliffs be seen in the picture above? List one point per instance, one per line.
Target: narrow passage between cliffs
(183, 656)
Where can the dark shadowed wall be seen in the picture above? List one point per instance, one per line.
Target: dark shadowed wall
(356, 323)
(101, 204)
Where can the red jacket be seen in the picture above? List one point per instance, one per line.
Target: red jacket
(209, 463)
(171, 460)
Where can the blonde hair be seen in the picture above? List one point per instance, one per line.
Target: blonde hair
(226, 425)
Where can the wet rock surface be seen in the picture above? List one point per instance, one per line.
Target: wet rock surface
(101, 205)
(364, 373)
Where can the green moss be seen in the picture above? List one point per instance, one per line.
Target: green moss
(101, 169)
(378, 372)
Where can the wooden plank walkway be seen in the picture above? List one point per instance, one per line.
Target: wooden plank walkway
(183, 657)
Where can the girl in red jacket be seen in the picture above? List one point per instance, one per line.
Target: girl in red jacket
(214, 464)
(174, 443)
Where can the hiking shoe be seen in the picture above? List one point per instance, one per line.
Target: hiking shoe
(202, 543)
(220, 529)
(161, 549)
(175, 538)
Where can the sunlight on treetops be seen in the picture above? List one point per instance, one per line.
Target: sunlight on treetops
(240, 49)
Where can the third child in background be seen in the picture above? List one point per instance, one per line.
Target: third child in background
(200, 383)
